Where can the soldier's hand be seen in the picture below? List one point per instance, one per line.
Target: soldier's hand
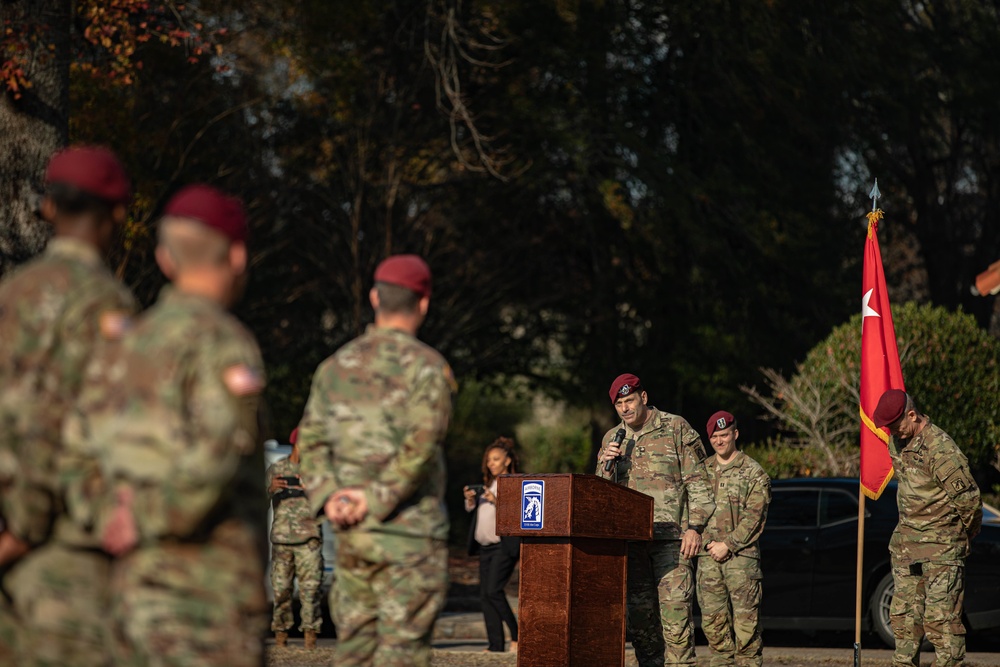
(121, 534)
(719, 552)
(346, 507)
(612, 451)
(276, 485)
(690, 543)
(11, 548)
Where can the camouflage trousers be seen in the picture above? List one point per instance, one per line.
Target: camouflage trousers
(660, 593)
(385, 598)
(192, 605)
(62, 601)
(303, 562)
(928, 600)
(729, 596)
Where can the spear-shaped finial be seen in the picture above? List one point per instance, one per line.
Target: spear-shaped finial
(874, 196)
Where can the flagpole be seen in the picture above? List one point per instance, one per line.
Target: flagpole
(859, 571)
(859, 575)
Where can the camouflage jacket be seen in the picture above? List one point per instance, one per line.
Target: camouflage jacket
(940, 509)
(667, 462)
(176, 410)
(56, 312)
(742, 494)
(294, 522)
(376, 417)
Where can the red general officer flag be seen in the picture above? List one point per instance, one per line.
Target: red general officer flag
(880, 369)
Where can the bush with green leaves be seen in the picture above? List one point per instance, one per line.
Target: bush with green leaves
(951, 367)
(781, 460)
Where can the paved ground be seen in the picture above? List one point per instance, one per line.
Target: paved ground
(469, 653)
(460, 639)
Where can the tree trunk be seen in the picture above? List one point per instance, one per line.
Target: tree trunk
(34, 126)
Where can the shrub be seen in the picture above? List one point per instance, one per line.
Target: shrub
(781, 460)
(950, 366)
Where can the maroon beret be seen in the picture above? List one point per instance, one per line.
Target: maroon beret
(92, 169)
(721, 420)
(890, 407)
(294, 437)
(624, 384)
(408, 271)
(212, 208)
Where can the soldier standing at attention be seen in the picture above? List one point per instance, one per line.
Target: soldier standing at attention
(940, 511)
(372, 459)
(177, 411)
(663, 458)
(729, 575)
(296, 550)
(56, 312)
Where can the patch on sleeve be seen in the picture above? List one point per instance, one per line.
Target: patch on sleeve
(114, 324)
(241, 380)
(450, 377)
(959, 483)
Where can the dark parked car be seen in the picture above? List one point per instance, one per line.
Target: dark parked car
(809, 558)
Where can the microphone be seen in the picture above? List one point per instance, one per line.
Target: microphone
(617, 440)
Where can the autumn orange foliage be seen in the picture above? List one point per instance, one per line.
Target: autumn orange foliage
(105, 40)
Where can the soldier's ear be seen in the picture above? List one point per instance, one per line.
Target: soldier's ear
(373, 298)
(424, 305)
(644, 396)
(47, 209)
(238, 257)
(119, 214)
(166, 262)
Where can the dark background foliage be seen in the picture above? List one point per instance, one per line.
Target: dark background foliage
(673, 189)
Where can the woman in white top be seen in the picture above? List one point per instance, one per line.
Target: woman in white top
(497, 555)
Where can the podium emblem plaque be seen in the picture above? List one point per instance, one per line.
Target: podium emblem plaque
(532, 504)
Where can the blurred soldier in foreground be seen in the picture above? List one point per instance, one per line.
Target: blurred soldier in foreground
(296, 550)
(176, 412)
(55, 314)
(940, 511)
(372, 459)
(729, 574)
(664, 458)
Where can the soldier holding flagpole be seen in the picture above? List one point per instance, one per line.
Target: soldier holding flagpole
(880, 370)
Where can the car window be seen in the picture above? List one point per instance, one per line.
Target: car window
(835, 506)
(793, 508)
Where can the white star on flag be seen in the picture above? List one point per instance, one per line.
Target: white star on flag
(866, 310)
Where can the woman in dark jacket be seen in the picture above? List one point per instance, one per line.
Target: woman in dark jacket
(497, 555)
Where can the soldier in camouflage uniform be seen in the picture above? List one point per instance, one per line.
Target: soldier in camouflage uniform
(940, 511)
(296, 550)
(56, 313)
(372, 460)
(729, 575)
(663, 457)
(177, 409)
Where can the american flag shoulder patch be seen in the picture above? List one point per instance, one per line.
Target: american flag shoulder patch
(242, 380)
(114, 324)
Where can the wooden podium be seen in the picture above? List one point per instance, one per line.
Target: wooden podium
(571, 599)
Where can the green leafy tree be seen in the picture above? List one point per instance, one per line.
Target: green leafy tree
(950, 366)
(921, 81)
